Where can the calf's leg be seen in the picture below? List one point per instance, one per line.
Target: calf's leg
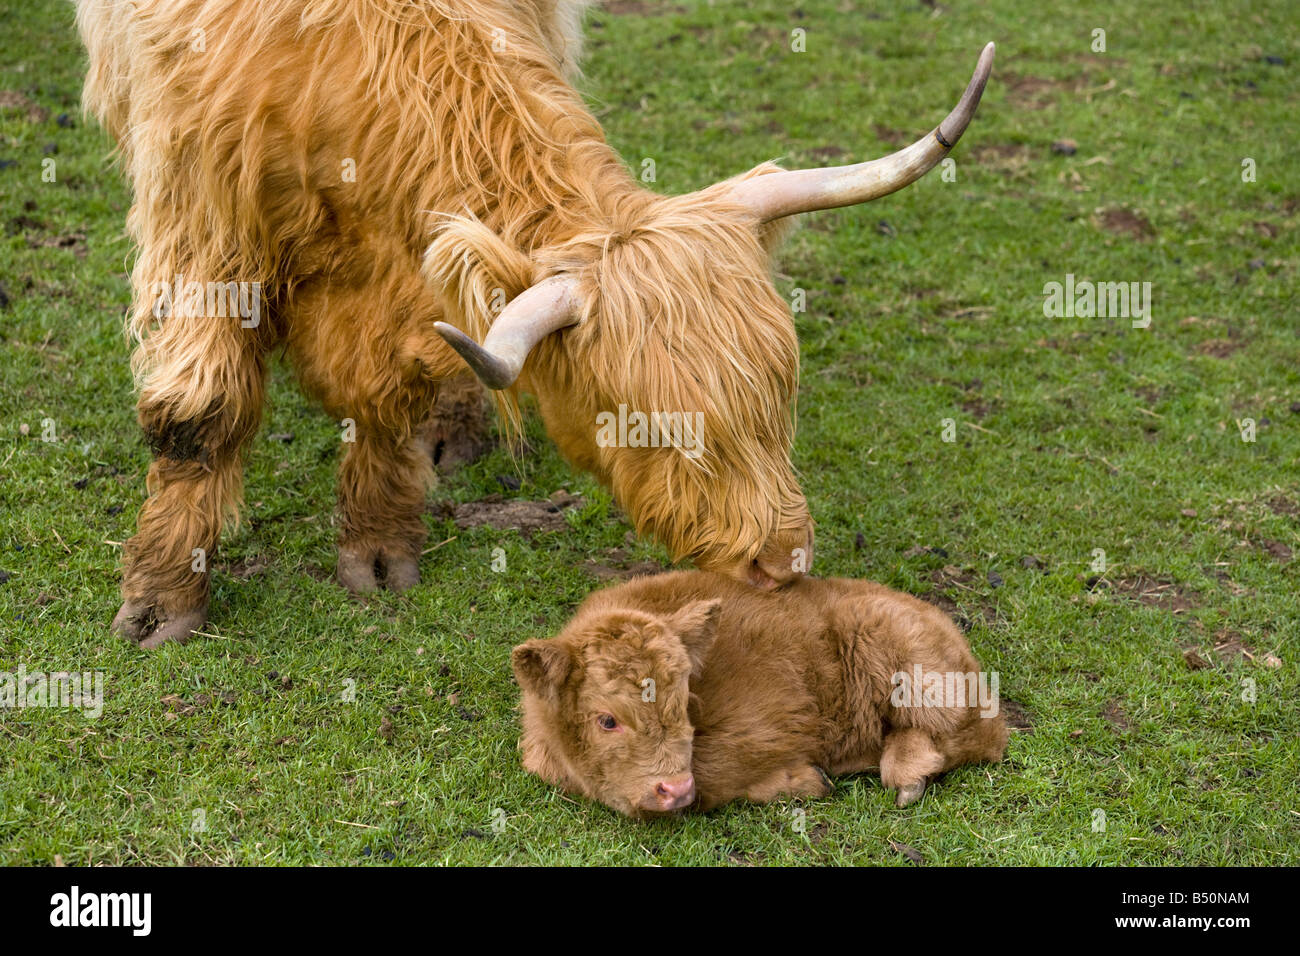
(805, 780)
(909, 759)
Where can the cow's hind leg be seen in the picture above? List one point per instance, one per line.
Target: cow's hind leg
(194, 482)
(457, 431)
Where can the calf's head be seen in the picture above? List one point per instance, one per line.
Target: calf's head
(606, 705)
(663, 358)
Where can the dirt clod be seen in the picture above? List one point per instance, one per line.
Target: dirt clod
(527, 517)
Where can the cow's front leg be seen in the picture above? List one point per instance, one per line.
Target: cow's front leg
(382, 483)
(194, 484)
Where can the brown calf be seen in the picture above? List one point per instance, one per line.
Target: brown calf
(690, 690)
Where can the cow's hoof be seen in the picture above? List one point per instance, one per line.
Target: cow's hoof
(909, 794)
(146, 626)
(366, 569)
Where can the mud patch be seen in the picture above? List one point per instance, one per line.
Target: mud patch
(1155, 592)
(1113, 713)
(1276, 550)
(1216, 348)
(526, 517)
(890, 136)
(246, 568)
(178, 706)
(1001, 157)
(1230, 647)
(1028, 92)
(617, 565)
(1015, 714)
(1282, 505)
(1121, 220)
(32, 112)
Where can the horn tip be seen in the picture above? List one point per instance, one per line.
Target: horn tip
(951, 129)
(491, 371)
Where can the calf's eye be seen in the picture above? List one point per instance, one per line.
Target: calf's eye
(607, 722)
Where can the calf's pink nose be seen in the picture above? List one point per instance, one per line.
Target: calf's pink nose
(675, 793)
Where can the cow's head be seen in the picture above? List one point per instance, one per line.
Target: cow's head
(662, 318)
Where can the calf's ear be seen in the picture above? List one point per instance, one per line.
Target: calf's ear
(541, 666)
(697, 625)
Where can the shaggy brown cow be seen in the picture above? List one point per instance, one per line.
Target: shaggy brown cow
(690, 690)
(354, 171)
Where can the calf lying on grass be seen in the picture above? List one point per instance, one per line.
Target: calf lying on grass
(690, 690)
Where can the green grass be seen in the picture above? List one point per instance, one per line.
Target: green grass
(1091, 434)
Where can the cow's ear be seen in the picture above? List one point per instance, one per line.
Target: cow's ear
(542, 667)
(475, 271)
(697, 625)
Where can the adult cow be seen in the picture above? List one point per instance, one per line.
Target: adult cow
(371, 167)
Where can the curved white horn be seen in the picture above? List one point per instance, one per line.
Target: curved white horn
(535, 313)
(805, 190)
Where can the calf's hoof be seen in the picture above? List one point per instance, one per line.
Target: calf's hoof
(147, 626)
(363, 568)
(909, 794)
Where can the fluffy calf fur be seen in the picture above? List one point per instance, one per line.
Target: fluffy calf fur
(315, 149)
(690, 690)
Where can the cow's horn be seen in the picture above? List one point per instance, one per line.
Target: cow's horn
(535, 313)
(804, 190)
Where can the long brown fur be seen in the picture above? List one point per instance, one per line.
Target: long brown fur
(755, 695)
(236, 121)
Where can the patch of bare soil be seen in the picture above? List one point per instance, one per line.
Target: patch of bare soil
(246, 568)
(1276, 550)
(1230, 646)
(1124, 221)
(178, 706)
(1001, 157)
(890, 136)
(1216, 348)
(1015, 714)
(13, 100)
(527, 517)
(1114, 715)
(1282, 505)
(617, 565)
(1154, 592)
(1026, 92)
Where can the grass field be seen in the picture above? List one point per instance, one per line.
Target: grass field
(1155, 694)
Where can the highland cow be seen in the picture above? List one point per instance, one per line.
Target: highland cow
(689, 690)
(375, 167)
